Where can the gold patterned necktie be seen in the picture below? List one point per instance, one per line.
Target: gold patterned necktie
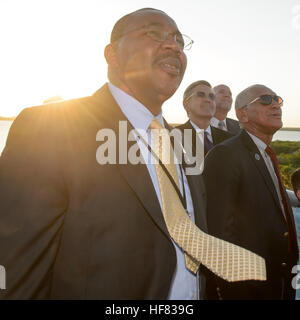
(228, 261)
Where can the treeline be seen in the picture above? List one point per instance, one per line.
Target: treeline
(288, 154)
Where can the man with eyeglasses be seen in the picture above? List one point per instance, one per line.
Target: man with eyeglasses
(223, 106)
(200, 106)
(71, 228)
(250, 207)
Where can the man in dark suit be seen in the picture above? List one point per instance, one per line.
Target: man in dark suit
(199, 103)
(223, 106)
(246, 201)
(79, 223)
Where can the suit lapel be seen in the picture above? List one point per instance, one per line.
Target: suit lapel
(198, 198)
(259, 162)
(139, 180)
(136, 175)
(219, 135)
(229, 125)
(215, 136)
(232, 126)
(188, 125)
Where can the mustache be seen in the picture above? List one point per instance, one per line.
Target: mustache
(166, 55)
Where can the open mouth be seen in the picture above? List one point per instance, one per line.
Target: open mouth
(276, 115)
(171, 66)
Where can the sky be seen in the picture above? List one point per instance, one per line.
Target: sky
(55, 47)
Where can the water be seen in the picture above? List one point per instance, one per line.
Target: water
(280, 135)
(287, 135)
(4, 128)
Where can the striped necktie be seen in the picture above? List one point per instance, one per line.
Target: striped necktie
(221, 125)
(207, 143)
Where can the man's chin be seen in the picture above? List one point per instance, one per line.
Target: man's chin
(273, 129)
(226, 108)
(167, 92)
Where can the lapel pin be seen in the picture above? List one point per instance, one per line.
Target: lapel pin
(257, 157)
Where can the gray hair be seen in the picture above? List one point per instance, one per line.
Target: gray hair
(246, 95)
(189, 89)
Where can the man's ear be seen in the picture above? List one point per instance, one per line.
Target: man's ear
(185, 105)
(186, 108)
(242, 115)
(110, 56)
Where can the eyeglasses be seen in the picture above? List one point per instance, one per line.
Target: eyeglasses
(266, 100)
(184, 42)
(201, 94)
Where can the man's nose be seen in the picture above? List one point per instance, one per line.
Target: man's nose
(208, 99)
(275, 104)
(171, 43)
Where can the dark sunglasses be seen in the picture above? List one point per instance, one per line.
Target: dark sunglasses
(266, 100)
(202, 94)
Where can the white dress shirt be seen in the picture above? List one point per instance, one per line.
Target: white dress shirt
(185, 285)
(262, 148)
(200, 133)
(215, 123)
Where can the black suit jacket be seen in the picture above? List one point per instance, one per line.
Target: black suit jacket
(71, 228)
(243, 208)
(233, 126)
(218, 135)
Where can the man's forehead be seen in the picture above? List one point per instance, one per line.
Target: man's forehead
(258, 91)
(222, 87)
(201, 87)
(150, 17)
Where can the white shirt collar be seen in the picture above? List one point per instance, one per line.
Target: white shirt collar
(137, 114)
(215, 122)
(208, 129)
(259, 143)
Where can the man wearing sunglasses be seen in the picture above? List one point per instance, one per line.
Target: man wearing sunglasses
(199, 103)
(251, 207)
(223, 106)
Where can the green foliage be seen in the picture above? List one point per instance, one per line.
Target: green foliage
(288, 154)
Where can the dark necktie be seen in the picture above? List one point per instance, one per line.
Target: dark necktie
(287, 213)
(207, 143)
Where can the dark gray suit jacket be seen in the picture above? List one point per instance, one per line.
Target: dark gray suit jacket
(218, 135)
(71, 228)
(243, 208)
(233, 126)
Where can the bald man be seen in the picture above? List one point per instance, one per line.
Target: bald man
(251, 208)
(223, 106)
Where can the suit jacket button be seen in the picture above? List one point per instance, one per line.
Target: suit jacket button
(283, 264)
(286, 234)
